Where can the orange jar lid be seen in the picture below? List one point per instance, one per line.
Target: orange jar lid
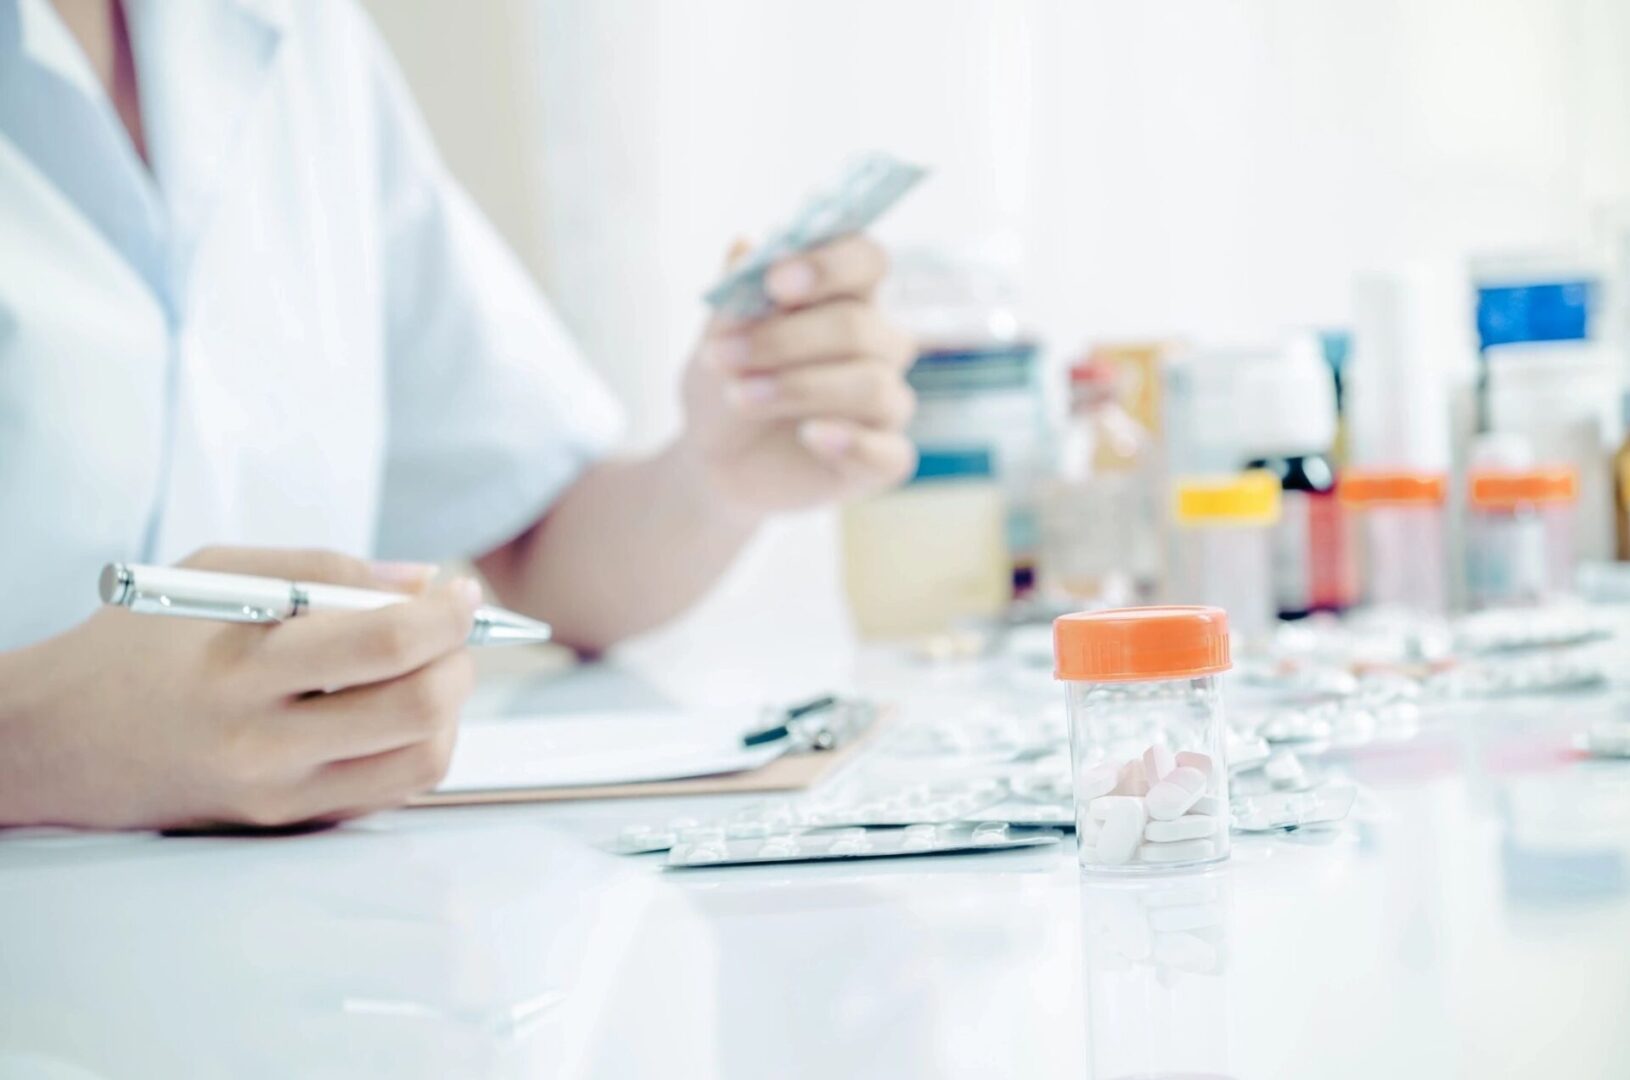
(1375, 487)
(1144, 643)
(1499, 489)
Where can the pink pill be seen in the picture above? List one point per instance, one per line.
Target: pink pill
(1157, 762)
(1132, 780)
(1193, 759)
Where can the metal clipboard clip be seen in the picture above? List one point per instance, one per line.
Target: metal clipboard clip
(823, 723)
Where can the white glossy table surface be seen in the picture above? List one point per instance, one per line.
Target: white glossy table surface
(1475, 923)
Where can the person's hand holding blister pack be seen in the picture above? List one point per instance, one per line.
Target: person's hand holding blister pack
(797, 394)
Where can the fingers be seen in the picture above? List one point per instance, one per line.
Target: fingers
(367, 720)
(870, 460)
(840, 330)
(847, 266)
(303, 564)
(325, 651)
(348, 788)
(860, 390)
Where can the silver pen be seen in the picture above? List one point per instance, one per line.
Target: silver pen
(204, 594)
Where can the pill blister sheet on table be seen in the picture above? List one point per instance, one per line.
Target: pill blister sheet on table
(913, 840)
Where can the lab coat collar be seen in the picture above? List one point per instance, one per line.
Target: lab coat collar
(201, 67)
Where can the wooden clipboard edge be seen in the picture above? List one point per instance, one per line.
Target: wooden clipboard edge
(789, 772)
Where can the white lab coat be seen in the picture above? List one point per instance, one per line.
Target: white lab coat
(294, 330)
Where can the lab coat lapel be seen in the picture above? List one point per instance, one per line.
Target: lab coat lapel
(201, 67)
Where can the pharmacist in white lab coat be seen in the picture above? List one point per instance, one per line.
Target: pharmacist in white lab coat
(248, 321)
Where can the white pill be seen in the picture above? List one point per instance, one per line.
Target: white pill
(1609, 738)
(1187, 827)
(920, 842)
(1284, 769)
(747, 830)
(1182, 851)
(1132, 780)
(1104, 804)
(1173, 796)
(1157, 762)
(703, 853)
(1184, 917)
(778, 848)
(921, 830)
(848, 846)
(1098, 780)
(1122, 829)
(1193, 759)
(1209, 805)
(1087, 829)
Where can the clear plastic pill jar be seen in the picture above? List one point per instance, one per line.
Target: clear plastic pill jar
(1147, 735)
(1401, 537)
(1519, 535)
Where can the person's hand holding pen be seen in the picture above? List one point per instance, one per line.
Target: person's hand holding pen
(810, 403)
(122, 723)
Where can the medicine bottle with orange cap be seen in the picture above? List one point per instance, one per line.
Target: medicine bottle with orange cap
(1147, 735)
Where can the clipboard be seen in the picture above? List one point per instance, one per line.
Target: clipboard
(821, 737)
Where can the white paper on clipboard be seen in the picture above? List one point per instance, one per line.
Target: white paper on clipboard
(591, 749)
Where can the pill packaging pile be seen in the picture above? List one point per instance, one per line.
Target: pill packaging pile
(913, 840)
(1506, 676)
(990, 735)
(918, 804)
(1176, 930)
(1513, 630)
(1608, 738)
(1159, 808)
(1291, 810)
(1340, 725)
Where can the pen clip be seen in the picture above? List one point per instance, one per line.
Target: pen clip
(822, 723)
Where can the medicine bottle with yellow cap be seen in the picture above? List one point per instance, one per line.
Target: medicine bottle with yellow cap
(1223, 549)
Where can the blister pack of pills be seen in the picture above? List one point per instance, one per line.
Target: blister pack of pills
(994, 735)
(918, 804)
(1541, 673)
(914, 840)
(1514, 630)
(1276, 811)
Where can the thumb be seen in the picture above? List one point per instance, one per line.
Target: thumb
(307, 564)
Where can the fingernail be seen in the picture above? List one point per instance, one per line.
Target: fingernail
(790, 280)
(469, 591)
(402, 573)
(754, 390)
(826, 437)
(728, 352)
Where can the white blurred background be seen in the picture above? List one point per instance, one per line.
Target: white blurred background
(1210, 169)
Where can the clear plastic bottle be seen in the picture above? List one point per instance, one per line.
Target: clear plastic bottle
(1519, 534)
(1400, 527)
(1224, 547)
(1147, 735)
(1097, 527)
